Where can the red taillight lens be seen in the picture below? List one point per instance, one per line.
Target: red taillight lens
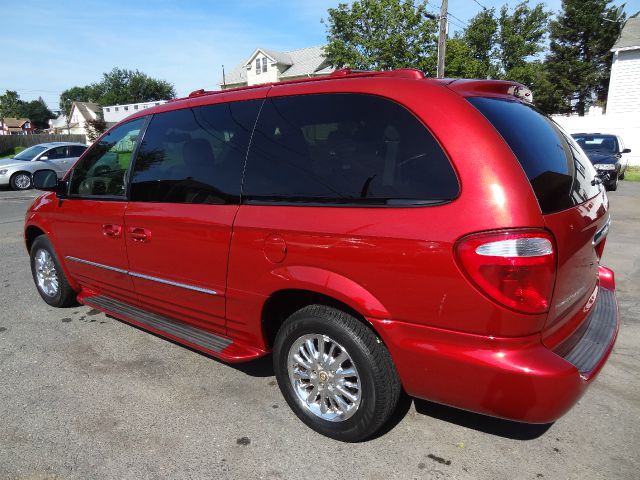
(514, 268)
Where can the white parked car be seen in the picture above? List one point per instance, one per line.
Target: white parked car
(59, 156)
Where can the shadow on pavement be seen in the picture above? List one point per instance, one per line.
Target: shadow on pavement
(482, 423)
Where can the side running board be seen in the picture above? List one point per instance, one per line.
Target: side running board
(174, 328)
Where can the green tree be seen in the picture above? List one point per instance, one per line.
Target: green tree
(580, 57)
(521, 36)
(119, 86)
(460, 61)
(382, 35)
(10, 104)
(503, 46)
(38, 112)
(481, 36)
(87, 93)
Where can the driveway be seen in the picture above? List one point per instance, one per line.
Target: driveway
(84, 396)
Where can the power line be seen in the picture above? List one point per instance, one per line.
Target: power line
(483, 7)
(461, 21)
(456, 24)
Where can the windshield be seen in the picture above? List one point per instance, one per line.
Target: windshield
(597, 143)
(30, 153)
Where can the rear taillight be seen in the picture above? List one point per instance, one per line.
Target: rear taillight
(516, 268)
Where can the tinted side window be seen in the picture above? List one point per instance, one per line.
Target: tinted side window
(194, 155)
(56, 153)
(558, 170)
(101, 172)
(345, 148)
(76, 150)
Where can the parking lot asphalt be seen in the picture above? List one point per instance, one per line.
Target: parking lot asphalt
(84, 396)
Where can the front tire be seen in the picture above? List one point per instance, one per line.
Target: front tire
(20, 181)
(335, 374)
(614, 185)
(49, 278)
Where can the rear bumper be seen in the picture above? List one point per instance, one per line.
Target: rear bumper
(514, 378)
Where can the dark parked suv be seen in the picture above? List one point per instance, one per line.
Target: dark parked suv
(377, 232)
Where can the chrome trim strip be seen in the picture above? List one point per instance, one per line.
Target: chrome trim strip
(144, 277)
(99, 265)
(172, 283)
(600, 234)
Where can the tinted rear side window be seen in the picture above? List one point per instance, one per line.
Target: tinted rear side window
(76, 150)
(345, 149)
(559, 172)
(194, 155)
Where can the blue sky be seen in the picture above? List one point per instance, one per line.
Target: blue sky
(51, 46)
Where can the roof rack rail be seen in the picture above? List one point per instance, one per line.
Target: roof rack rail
(408, 73)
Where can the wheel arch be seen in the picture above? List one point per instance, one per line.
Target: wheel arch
(30, 234)
(283, 303)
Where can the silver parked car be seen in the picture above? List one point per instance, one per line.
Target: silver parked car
(59, 156)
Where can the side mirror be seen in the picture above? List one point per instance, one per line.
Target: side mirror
(626, 150)
(44, 157)
(47, 180)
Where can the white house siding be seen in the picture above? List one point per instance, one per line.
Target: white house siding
(115, 113)
(270, 76)
(624, 87)
(627, 125)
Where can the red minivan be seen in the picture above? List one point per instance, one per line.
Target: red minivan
(379, 233)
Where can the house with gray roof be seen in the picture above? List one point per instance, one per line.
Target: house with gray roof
(81, 112)
(624, 85)
(270, 66)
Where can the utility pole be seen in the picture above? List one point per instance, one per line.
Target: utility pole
(442, 38)
(224, 80)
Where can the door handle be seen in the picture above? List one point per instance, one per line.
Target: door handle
(111, 230)
(139, 234)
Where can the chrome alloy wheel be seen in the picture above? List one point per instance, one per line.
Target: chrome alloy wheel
(46, 274)
(22, 181)
(324, 377)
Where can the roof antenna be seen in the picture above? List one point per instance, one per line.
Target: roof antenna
(224, 83)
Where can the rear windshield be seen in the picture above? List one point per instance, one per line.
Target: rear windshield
(559, 172)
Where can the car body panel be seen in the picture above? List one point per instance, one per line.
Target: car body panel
(187, 245)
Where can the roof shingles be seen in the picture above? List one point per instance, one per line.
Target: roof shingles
(630, 35)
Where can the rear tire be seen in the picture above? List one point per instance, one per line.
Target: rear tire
(49, 278)
(353, 377)
(20, 181)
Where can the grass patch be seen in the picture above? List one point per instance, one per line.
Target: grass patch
(11, 152)
(632, 174)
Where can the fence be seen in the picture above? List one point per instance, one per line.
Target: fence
(8, 142)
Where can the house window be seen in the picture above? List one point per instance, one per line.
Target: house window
(264, 64)
(108, 109)
(258, 66)
(135, 107)
(158, 103)
(117, 109)
(126, 108)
